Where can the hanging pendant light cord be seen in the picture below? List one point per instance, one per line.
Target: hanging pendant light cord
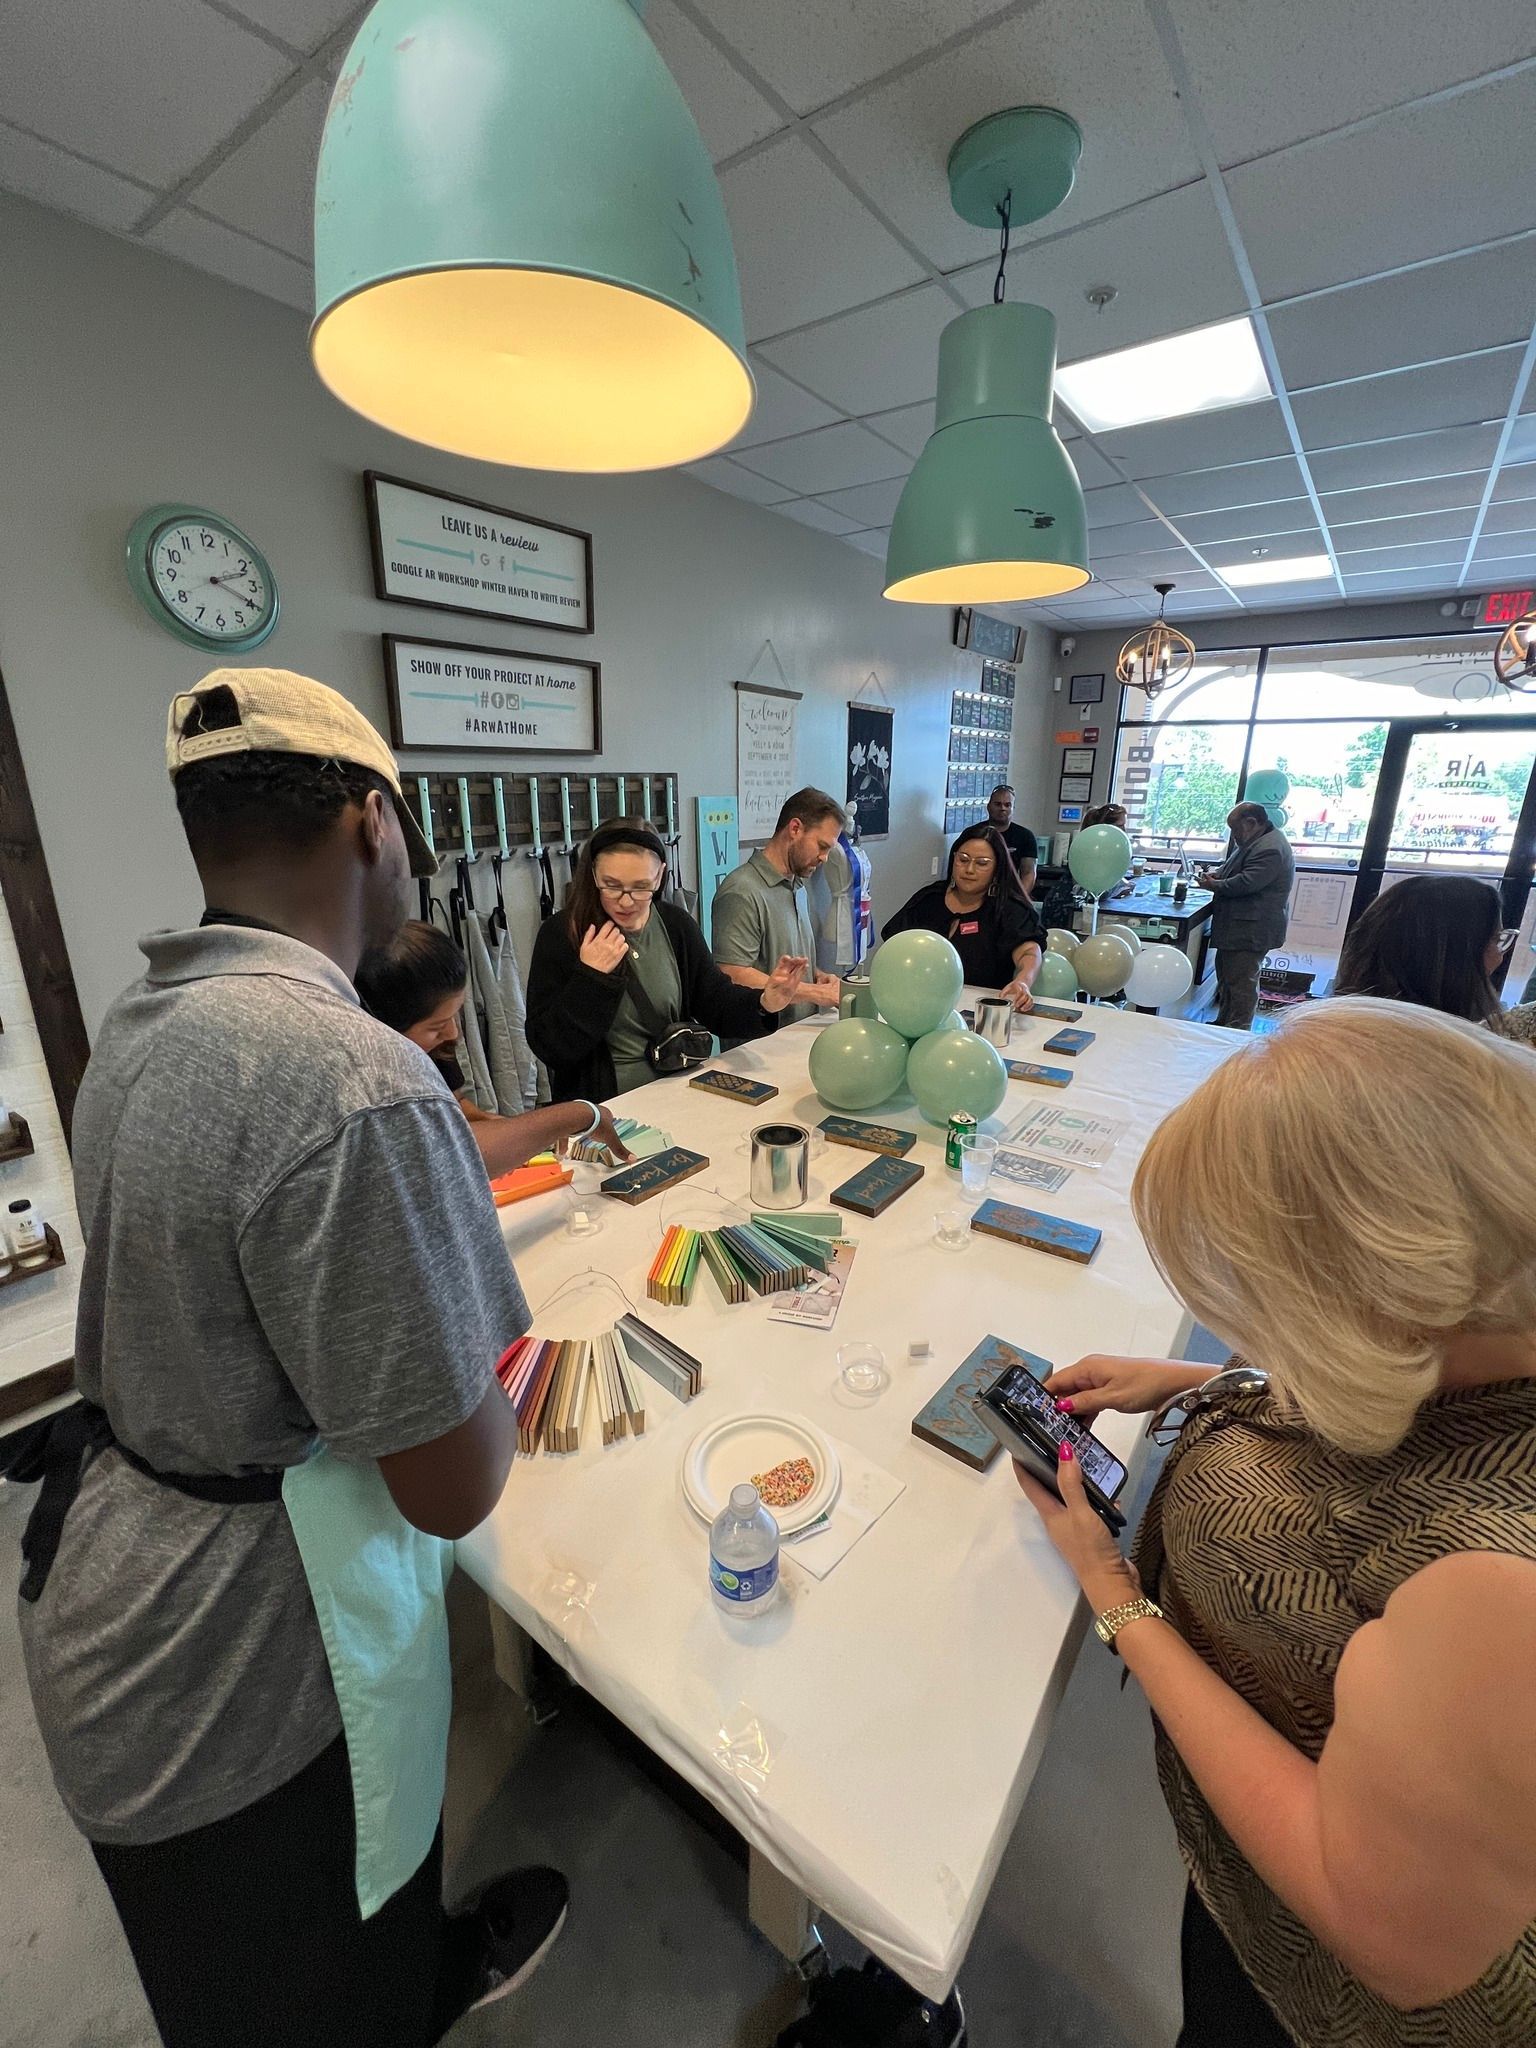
(999, 283)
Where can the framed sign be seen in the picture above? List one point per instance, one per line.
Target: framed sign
(1077, 761)
(983, 634)
(443, 694)
(457, 555)
(1086, 690)
(1075, 789)
(765, 756)
(870, 729)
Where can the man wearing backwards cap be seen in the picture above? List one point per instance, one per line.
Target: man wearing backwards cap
(294, 1295)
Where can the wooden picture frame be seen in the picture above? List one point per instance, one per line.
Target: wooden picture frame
(509, 602)
(484, 673)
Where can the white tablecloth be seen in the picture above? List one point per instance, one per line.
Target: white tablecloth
(876, 1736)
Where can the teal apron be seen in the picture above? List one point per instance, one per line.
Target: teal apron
(378, 1585)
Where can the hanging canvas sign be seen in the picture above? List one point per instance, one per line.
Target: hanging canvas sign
(765, 756)
(870, 730)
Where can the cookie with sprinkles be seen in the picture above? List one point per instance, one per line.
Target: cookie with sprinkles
(784, 1485)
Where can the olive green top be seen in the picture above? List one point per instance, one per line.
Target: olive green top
(758, 916)
(653, 961)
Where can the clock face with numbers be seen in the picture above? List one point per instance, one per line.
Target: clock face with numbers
(201, 578)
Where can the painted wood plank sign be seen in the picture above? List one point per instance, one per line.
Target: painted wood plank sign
(443, 693)
(460, 555)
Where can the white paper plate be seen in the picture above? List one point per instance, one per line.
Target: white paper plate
(729, 1453)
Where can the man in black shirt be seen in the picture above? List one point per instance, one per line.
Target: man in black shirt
(1023, 848)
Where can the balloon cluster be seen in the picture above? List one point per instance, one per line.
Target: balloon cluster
(917, 1038)
(1269, 787)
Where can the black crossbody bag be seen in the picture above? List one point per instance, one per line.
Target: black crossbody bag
(670, 1048)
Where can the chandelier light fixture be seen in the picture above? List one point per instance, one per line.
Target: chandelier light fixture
(1514, 660)
(1157, 656)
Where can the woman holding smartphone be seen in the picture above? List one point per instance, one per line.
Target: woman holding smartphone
(617, 962)
(1332, 1609)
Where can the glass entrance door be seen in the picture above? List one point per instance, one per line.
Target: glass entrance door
(1459, 798)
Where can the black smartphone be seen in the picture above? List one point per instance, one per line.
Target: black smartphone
(1025, 1420)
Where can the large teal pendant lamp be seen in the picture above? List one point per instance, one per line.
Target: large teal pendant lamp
(521, 252)
(993, 511)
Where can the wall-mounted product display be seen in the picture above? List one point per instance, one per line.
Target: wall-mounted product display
(870, 731)
(201, 578)
(980, 743)
(997, 639)
(443, 693)
(458, 555)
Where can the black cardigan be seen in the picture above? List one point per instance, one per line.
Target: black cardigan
(571, 1007)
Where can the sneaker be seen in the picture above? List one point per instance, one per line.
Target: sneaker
(519, 1919)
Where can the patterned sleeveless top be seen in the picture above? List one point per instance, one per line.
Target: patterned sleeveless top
(1267, 1548)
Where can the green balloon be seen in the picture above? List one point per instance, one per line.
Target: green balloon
(1277, 815)
(1057, 976)
(954, 1022)
(949, 1071)
(1099, 858)
(1267, 786)
(857, 1062)
(1059, 940)
(916, 978)
(1104, 963)
(1122, 930)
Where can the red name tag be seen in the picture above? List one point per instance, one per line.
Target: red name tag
(969, 929)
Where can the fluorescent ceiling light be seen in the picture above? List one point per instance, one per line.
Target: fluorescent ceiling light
(1201, 371)
(1296, 569)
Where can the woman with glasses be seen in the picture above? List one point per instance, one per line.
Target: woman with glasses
(1438, 941)
(614, 933)
(981, 908)
(1332, 1610)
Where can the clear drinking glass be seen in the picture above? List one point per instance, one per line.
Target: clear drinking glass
(976, 1156)
(861, 1368)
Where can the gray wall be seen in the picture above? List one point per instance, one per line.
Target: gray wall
(127, 379)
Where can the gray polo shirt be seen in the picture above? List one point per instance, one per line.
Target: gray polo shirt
(289, 1238)
(759, 915)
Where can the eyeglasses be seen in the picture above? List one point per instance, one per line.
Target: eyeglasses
(1215, 1392)
(617, 895)
(973, 860)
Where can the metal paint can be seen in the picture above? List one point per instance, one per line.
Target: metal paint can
(780, 1175)
(961, 1125)
(994, 1020)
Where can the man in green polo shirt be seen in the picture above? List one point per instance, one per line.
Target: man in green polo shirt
(760, 910)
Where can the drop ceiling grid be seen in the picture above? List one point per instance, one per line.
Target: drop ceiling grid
(220, 173)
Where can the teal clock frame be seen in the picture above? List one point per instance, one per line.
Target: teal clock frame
(140, 544)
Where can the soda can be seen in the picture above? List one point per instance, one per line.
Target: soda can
(961, 1125)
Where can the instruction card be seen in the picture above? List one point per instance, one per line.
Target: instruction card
(815, 1305)
(1069, 1137)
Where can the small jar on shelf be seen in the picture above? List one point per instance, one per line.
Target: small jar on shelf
(27, 1235)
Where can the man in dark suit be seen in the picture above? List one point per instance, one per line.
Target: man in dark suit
(1253, 892)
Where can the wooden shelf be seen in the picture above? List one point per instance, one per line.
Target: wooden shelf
(17, 1142)
(55, 1259)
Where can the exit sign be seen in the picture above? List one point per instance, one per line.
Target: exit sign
(1503, 607)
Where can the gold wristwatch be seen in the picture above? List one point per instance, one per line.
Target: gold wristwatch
(1109, 1624)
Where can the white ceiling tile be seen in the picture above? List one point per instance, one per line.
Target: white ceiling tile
(872, 542)
(1469, 302)
(148, 91)
(267, 187)
(726, 475)
(1214, 490)
(304, 23)
(1250, 522)
(1516, 516)
(1154, 565)
(875, 359)
(1353, 560)
(781, 409)
(1420, 186)
(804, 245)
(1114, 505)
(1200, 440)
(1131, 537)
(1403, 458)
(1098, 60)
(1516, 482)
(1244, 557)
(1508, 557)
(1395, 501)
(1167, 260)
(54, 178)
(1391, 582)
(1522, 441)
(811, 53)
(809, 513)
(1447, 528)
(730, 112)
(831, 459)
(868, 504)
(1093, 472)
(909, 426)
(233, 256)
(1460, 393)
(1266, 76)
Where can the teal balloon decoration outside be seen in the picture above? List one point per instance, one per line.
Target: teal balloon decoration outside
(1099, 858)
(1104, 964)
(857, 1062)
(1267, 786)
(1057, 976)
(916, 979)
(1277, 814)
(950, 1071)
(1059, 940)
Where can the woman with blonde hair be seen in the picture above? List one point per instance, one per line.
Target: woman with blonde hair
(1333, 1606)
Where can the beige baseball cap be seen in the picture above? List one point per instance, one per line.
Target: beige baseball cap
(284, 713)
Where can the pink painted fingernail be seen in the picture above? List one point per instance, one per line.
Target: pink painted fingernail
(1063, 1407)
(1066, 1454)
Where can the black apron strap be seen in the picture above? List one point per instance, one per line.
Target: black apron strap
(56, 1452)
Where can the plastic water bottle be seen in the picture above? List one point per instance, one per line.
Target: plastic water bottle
(744, 1555)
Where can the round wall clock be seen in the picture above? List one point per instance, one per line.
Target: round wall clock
(199, 576)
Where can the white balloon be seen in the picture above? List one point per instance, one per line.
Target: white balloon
(1059, 940)
(1126, 931)
(1162, 974)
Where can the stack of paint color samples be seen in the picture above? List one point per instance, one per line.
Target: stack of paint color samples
(643, 1141)
(769, 1255)
(552, 1382)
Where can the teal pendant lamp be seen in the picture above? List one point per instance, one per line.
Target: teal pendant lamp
(993, 511)
(521, 252)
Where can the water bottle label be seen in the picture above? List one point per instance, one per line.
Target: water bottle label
(744, 1587)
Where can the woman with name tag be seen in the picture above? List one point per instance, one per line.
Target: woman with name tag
(620, 982)
(981, 908)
